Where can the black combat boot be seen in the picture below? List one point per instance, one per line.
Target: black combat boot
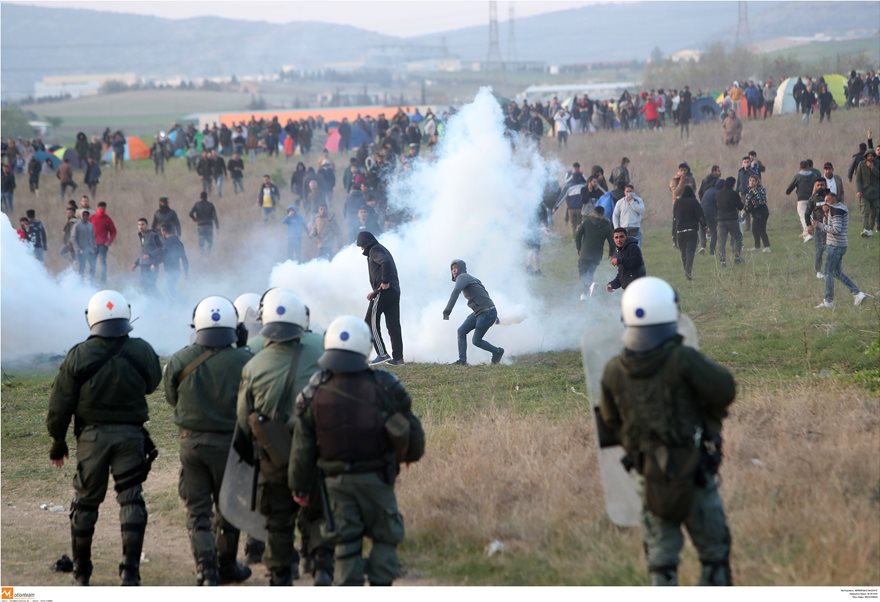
(282, 578)
(253, 551)
(132, 544)
(323, 572)
(206, 573)
(82, 557)
(233, 572)
(227, 547)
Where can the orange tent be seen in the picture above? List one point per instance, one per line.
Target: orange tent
(136, 148)
(329, 114)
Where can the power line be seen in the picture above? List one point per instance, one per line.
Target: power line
(494, 58)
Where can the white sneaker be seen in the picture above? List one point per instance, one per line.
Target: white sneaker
(583, 297)
(825, 304)
(820, 276)
(859, 297)
(765, 250)
(808, 237)
(870, 232)
(592, 288)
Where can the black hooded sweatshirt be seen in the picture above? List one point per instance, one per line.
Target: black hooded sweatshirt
(630, 264)
(380, 263)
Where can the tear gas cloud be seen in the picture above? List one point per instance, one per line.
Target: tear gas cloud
(476, 202)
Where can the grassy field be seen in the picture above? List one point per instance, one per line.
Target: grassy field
(511, 448)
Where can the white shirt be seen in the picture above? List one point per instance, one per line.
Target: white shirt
(628, 215)
(832, 185)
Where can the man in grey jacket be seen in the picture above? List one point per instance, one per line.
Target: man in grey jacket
(484, 314)
(83, 240)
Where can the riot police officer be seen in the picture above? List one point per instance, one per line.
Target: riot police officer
(201, 384)
(102, 386)
(664, 402)
(269, 384)
(354, 427)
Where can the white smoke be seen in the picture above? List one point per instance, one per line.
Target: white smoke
(476, 202)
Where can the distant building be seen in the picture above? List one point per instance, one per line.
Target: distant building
(686, 55)
(79, 85)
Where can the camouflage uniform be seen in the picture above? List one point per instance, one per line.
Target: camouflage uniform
(204, 410)
(666, 406)
(341, 431)
(263, 391)
(102, 385)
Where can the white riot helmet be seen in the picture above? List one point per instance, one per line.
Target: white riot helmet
(649, 311)
(108, 314)
(347, 344)
(248, 307)
(215, 319)
(283, 315)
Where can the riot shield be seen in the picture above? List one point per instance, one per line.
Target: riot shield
(622, 502)
(236, 492)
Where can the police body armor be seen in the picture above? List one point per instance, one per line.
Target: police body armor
(350, 424)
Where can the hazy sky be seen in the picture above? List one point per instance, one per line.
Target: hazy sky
(394, 17)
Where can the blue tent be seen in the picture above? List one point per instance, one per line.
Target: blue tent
(704, 109)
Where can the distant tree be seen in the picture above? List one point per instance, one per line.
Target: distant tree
(14, 122)
(113, 86)
(233, 80)
(55, 122)
(656, 55)
(256, 103)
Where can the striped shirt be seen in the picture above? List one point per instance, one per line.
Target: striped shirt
(835, 225)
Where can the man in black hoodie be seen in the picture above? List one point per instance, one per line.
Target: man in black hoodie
(484, 314)
(689, 222)
(728, 205)
(384, 299)
(628, 260)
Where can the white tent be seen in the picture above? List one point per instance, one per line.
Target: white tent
(784, 101)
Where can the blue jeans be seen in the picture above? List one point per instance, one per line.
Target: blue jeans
(218, 183)
(819, 237)
(102, 259)
(479, 324)
(237, 185)
(7, 202)
(833, 263)
(206, 237)
(267, 211)
(86, 258)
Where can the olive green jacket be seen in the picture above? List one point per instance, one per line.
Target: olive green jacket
(206, 399)
(304, 453)
(264, 378)
(664, 397)
(115, 394)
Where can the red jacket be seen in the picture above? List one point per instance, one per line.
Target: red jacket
(650, 110)
(105, 230)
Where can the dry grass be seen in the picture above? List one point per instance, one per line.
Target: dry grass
(801, 482)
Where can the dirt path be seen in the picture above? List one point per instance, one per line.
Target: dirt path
(34, 538)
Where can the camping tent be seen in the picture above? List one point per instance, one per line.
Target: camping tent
(135, 149)
(358, 137)
(704, 109)
(784, 101)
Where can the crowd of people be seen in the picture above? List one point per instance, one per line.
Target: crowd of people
(719, 210)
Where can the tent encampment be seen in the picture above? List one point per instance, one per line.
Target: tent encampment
(135, 149)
